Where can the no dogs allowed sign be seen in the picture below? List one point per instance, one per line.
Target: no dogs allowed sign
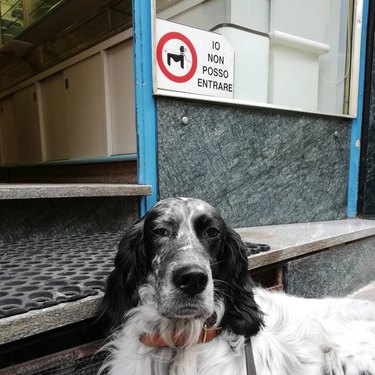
(190, 60)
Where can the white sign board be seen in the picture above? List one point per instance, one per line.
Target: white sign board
(193, 61)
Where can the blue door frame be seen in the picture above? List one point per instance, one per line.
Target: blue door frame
(145, 106)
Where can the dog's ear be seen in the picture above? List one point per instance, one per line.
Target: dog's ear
(242, 314)
(130, 272)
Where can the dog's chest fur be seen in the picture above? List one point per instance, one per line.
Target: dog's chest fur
(224, 355)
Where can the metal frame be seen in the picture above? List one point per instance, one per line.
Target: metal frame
(359, 28)
(355, 140)
(364, 163)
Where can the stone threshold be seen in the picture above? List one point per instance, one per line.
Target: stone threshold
(287, 242)
(74, 190)
(39, 321)
(33, 322)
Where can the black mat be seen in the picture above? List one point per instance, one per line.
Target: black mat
(35, 274)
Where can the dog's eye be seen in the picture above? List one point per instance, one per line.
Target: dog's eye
(212, 232)
(162, 232)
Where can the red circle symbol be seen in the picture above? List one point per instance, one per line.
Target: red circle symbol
(159, 56)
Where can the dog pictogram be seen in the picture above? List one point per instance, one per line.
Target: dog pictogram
(177, 58)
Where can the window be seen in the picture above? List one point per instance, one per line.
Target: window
(294, 54)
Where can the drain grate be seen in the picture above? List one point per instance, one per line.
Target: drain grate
(37, 274)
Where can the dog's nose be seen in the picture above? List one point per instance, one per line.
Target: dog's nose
(191, 280)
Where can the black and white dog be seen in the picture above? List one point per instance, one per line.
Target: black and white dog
(182, 302)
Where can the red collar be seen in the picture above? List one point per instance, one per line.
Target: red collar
(155, 339)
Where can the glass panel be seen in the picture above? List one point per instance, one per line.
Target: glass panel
(120, 15)
(302, 47)
(38, 8)
(94, 27)
(11, 19)
(16, 15)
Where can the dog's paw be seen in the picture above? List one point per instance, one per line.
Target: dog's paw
(255, 248)
(356, 364)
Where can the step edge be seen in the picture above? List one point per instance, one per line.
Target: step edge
(359, 229)
(79, 190)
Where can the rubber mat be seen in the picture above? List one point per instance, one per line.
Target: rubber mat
(36, 274)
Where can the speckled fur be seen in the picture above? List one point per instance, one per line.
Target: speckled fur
(290, 336)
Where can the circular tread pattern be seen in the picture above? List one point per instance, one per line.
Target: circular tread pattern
(42, 273)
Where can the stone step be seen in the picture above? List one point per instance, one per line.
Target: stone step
(289, 241)
(51, 282)
(71, 190)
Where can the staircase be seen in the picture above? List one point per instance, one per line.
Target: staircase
(57, 246)
(58, 242)
(317, 259)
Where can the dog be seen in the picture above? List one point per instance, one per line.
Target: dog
(180, 301)
(177, 58)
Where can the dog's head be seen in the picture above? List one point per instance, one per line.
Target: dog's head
(186, 250)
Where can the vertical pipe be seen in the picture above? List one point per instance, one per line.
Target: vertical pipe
(145, 106)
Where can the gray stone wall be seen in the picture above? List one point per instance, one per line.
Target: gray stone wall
(335, 272)
(257, 167)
